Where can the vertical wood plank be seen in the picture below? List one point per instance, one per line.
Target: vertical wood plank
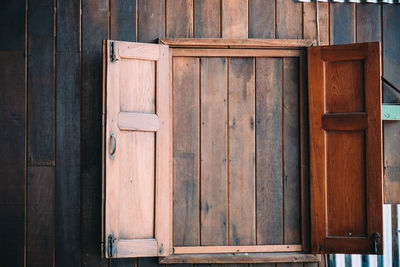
(12, 135)
(12, 25)
(41, 91)
(186, 151)
(151, 20)
(289, 19)
(68, 135)
(40, 216)
(179, 20)
(12, 158)
(310, 22)
(128, 262)
(123, 20)
(391, 63)
(41, 134)
(234, 18)
(342, 23)
(269, 151)
(291, 152)
(213, 151)
(261, 19)
(368, 23)
(241, 151)
(94, 30)
(395, 235)
(207, 18)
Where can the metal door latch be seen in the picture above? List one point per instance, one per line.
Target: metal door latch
(112, 248)
(113, 56)
(375, 242)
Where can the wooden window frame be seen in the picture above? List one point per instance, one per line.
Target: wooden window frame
(192, 47)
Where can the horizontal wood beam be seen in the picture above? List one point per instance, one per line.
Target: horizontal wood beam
(138, 121)
(136, 247)
(236, 249)
(230, 52)
(345, 121)
(240, 258)
(236, 43)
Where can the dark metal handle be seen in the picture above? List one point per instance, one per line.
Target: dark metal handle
(113, 145)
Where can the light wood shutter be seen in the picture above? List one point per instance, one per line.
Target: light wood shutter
(346, 148)
(137, 150)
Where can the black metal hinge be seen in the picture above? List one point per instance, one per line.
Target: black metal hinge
(375, 242)
(112, 248)
(113, 56)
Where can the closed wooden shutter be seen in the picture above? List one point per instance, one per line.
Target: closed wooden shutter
(137, 150)
(345, 148)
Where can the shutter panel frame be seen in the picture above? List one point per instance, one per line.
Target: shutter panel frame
(117, 121)
(323, 122)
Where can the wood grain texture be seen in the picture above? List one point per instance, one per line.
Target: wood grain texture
(241, 259)
(235, 43)
(13, 25)
(213, 106)
(291, 152)
(368, 23)
(94, 30)
(289, 19)
(41, 103)
(310, 29)
(68, 116)
(261, 19)
(269, 150)
(136, 181)
(342, 23)
(236, 249)
(179, 20)
(334, 194)
(68, 154)
(350, 200)
(235, 53)
(186, 150)
(242, 151)
(138, 188)
(135, 121)
(207, 18)
(41, 134)
(123, 20)
(151, 20)
(40, 211)
(391, 61)
(12, 158)
(234, 18)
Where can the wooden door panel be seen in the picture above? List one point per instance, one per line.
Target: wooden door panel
(137, 150)
(345, 148)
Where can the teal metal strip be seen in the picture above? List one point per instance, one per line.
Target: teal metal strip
(390, 112)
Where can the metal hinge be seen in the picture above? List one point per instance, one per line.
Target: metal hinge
(112, 248)
(113, 56)
(375, 242)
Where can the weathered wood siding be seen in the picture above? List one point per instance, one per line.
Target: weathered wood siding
(50, 102)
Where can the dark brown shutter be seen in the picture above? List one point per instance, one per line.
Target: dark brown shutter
(346, 148)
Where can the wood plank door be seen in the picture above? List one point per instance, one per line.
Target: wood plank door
(345, 148)
(137, 150)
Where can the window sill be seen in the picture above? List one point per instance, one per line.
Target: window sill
(240, 258)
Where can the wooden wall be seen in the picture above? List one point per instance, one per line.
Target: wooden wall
(50, 101)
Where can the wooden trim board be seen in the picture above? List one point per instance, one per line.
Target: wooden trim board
(236, 43)
(229, 52)
(236, 249)
(240, 258)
